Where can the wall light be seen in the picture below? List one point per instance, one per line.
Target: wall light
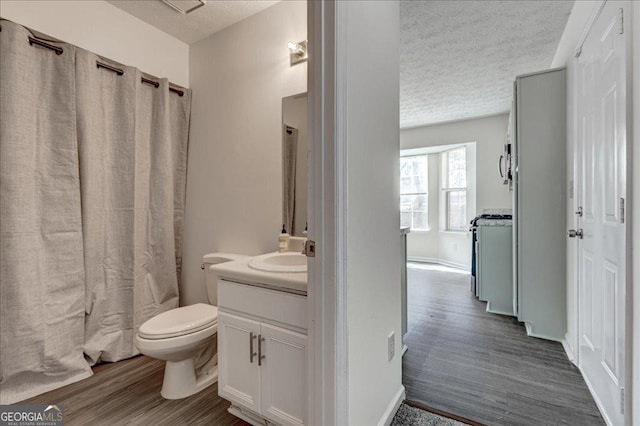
(297, 52)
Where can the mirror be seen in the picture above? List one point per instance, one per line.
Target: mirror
(294, 163)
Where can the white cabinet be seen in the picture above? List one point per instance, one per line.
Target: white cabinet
(283, 375)
(262, 361)
(238, 368)
(539, 200)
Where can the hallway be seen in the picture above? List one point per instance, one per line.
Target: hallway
(482, 366)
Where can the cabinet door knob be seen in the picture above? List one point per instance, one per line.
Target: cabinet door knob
(260, 356)
(251, 352)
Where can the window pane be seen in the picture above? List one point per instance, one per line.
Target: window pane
(419, 220)
(420, 165)
(405, 218)
(419, 203)
(413, 174)
(420, 184)
(406, 185)
(406, 166)
(457, 210)
(414, 181)
(406, 203)
(457, 168)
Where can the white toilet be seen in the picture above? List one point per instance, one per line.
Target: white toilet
(184, 338)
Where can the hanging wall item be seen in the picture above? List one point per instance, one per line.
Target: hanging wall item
(41, 268)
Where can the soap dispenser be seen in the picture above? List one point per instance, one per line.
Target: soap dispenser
(283, 240)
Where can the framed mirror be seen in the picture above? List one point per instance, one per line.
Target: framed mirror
(294, 163)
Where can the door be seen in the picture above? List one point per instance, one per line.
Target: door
(238, 372)
(601, 158)
(283, 375)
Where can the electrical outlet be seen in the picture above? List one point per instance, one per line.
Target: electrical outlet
(392, 345)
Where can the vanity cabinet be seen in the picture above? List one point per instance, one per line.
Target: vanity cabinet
(237, 374)
(262, 354)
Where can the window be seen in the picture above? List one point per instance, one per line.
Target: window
(455, 189)
(413, 192)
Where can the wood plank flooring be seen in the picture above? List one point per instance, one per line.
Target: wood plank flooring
(482, 366)
(128, 393)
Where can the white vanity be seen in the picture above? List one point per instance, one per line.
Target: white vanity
(262, 338)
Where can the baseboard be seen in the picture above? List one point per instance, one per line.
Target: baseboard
(392, 408)
(498, 311)
(249, 417)
(443, 262)
(531, 333)
(595, 398)
(568, 350)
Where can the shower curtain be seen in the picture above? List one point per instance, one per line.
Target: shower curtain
(133, 152)
(41, 254)
(289, 160)
(93, 171)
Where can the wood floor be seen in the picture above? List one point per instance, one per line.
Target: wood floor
(128, 393)
(482, 366)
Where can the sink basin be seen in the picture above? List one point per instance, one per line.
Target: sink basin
(280, 262)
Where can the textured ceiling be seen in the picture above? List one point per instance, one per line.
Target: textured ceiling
(195, 26)
(458, 59)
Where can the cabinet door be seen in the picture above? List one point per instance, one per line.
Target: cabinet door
(283, 375)
(238, 371)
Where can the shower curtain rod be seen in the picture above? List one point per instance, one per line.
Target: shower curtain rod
(38, 42)
(120, 71)
(59, 50)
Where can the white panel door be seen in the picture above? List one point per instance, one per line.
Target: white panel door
(602, 185)
(238, 370)
(283, 375)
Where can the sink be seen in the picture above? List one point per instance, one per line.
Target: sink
(280, 262)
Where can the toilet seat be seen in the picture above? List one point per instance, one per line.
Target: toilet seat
(179, 322)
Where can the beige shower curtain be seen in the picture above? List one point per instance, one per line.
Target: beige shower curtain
(93, 168)
(132, 141)
(289, 160)
(41, 255)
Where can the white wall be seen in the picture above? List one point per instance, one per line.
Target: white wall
(234, 183)
(368, 92)
(489, 133)
(102, 28)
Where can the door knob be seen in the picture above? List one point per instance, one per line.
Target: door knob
(575, 233)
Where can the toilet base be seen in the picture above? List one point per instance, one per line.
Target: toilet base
(180, 380)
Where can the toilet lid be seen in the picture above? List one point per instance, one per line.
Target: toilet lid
(179, 321)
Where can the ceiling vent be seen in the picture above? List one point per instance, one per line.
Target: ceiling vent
(185, 6)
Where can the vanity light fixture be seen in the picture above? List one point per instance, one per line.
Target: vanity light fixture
(297, 52)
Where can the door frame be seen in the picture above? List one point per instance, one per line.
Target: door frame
(635, 214)
(327, 189)
(632, 391)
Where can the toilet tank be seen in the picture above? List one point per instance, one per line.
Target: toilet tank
(210, 277)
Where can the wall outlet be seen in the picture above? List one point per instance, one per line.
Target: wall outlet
(392, 345)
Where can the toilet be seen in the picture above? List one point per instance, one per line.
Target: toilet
(185, 338)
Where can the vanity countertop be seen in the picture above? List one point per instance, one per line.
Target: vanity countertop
(240, 272)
